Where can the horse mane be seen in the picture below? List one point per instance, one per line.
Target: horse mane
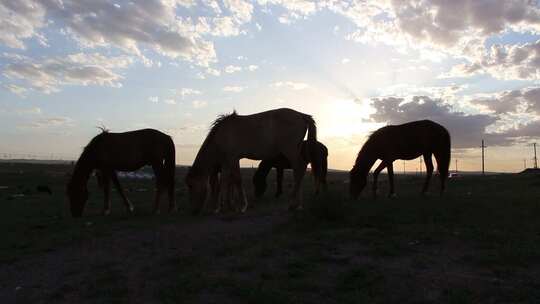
(214, 127)
(87, 152)
(220, 120)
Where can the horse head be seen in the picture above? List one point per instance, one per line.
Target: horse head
(357, 182)
(77, 195)
(197, 189)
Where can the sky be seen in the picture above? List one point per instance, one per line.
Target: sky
(473, 66)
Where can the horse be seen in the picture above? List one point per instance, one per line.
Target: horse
(407, 141)
(317, 156)
(258, 136)
(110, 152)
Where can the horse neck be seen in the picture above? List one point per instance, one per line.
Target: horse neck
(206, 159)
(365, 160)
(83, 169)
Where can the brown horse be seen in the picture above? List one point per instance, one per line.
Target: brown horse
(110, 152)
(258, 136)
(406, 141)
(316, 155)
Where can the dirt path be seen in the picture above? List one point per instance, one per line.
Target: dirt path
(67, 275)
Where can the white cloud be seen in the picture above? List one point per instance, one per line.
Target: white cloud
(197, 104)
(77, 69)
(345, 60)
(183, 92)
(170, 101)
(15, 89)
(252, 67)
(153, 99)
(50, 122)
(290, 85)
(232, 69)
(137, 25)
(20, 20)
(213, 72)
(504, 62)
(234, 89)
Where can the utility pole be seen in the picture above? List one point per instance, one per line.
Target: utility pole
(483, 147)
(403, 167)
(420, 165)
(524, 163)
(456, 166)
(535, 159)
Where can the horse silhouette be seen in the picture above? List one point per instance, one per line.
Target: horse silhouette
(110, 152)
(407, 141)
(258, 136)
(316, 155)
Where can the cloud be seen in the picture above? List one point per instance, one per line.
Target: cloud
(153, 99)
(294, 10)
(234, 89)
(187, 92)
(504, 62)
(345, 60)
(170, 101)
(290, 85)
(50, 122)
(526, 99)
(232, 69)
(15, 89)
(50, 74)
(252, 67)
(197, 104)
(131, 26)
(19, 20)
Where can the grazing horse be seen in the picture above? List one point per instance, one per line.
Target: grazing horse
(259, 136)
(406, 141)
(317, 156)
(110, 152)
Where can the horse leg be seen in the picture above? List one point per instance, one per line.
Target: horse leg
(442, 167)
(118, 187)
(279, 181)
(299, 170)
(429, 171)
(224, 187)
(378, 170)
(105, 183)
(158, 172)
(390, 170)
(214, 191)
(170, 194)
(240, 187)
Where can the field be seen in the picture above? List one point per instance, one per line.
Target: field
(480, 243)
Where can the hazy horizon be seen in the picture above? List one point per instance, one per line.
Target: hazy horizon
(174, 65)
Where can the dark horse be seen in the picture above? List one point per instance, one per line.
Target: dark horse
(316, 155)
(258, 136)
(129, 151)
(406, 141)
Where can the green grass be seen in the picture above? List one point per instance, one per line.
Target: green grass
(480, 242)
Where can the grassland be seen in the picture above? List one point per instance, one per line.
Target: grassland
(480, 243)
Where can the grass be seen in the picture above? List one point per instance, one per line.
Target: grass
(480, 242)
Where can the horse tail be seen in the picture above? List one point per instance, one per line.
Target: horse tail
(442, 152)
(311, 126)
